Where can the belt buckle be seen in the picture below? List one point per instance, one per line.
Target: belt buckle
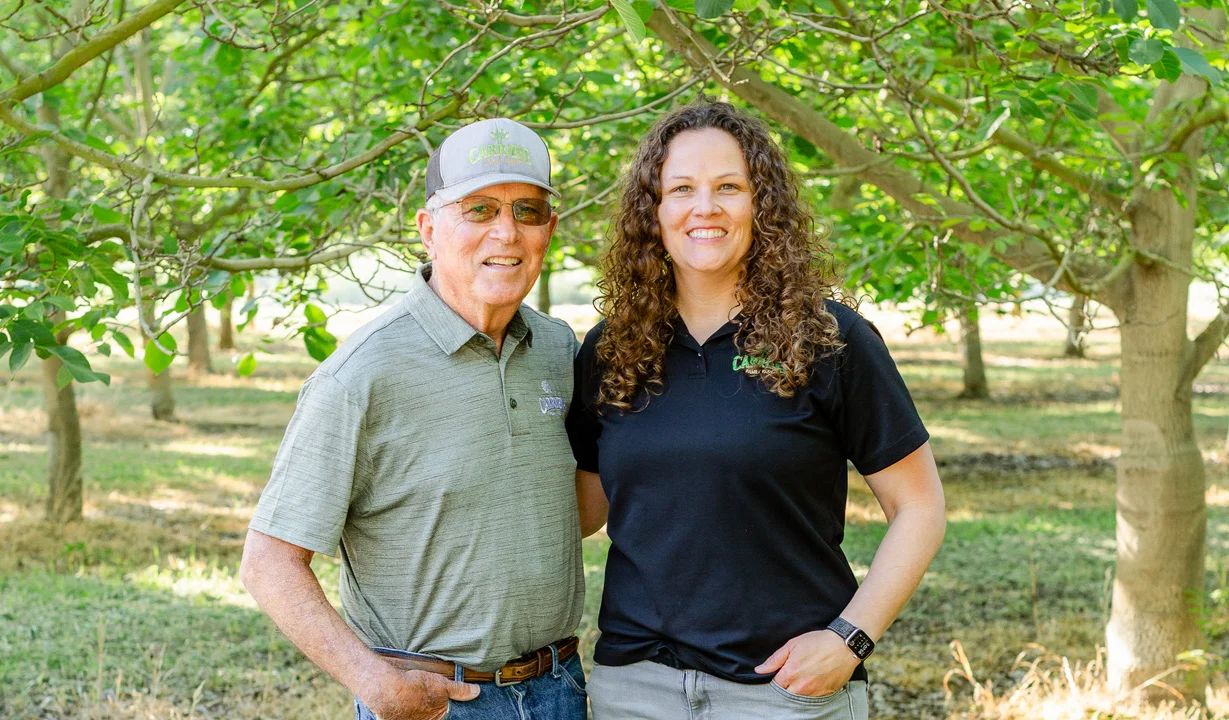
(500, 682)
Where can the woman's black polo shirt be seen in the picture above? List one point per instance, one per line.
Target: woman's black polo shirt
(727, 502)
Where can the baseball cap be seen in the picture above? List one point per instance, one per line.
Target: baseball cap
(485, 153)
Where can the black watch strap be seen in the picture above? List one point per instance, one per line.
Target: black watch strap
(858, 642)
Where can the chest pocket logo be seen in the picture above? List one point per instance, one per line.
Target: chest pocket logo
(550, 403)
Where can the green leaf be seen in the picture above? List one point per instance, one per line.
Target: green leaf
(1028, 108)
(22, 330)
(314, 315)
(106, 215)
(1126, 9)
(320, 343)
(217, 281)
(992, 126)
(66, 304)
(745, 6)
(97, 332)
(237, 286)
(21, 353)
(1145, 51)
(1194, 63)
(125, 344)
(711, 9)
(644, 9)
(1164, 14)
(631, 19)
(247, 365)
(104, 272)
(1169, 67)
(77, 365)
(1084, 94)
(228, 59)
(104, 349)
(155, 359)
(11, 244)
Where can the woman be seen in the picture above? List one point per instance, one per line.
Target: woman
(715, 410)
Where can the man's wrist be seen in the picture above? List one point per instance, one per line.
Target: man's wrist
(372, 674)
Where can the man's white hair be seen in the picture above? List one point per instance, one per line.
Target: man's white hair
(435, 203)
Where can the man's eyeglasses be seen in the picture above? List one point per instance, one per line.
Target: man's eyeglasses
(526, 211)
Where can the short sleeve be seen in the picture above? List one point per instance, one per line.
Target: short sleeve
(880, 425)
(308, 495)
(584, 426)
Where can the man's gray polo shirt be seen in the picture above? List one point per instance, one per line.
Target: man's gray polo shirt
(444, 472)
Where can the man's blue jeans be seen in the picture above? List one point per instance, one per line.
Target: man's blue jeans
(556, 695)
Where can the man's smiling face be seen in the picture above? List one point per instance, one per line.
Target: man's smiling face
(485, 267)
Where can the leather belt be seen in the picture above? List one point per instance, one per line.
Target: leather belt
(526, 667)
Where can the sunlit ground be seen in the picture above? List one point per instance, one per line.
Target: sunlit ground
(136, 611)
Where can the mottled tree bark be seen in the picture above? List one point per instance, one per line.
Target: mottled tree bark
(1161, 505)
(162, 396)
(226, 332)
(1077, 327)
(544, 289)
(975, 385)
(64, 491)
(199, 362)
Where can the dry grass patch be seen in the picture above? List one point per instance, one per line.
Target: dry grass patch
(1053, 687)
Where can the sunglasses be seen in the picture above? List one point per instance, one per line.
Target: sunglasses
(526, 211)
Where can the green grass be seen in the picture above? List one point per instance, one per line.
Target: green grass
(137, 610)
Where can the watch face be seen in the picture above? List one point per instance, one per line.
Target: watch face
(861, 644)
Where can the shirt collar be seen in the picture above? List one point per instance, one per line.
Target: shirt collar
(682, 335)
(448, 329)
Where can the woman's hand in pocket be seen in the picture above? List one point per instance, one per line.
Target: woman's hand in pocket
(814, 664)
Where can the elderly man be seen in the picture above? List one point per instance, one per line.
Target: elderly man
(431, 448)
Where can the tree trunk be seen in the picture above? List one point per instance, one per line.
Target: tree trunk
(975, 385)
(198, 342)
(1162, 514)
(1077, 327)
(544, 289)
(226, 332)
(64, 492)
(162, 400)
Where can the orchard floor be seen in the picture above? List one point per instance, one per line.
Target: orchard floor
(137, 611)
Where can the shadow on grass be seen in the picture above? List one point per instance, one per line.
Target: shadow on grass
(137, 468)
(72, 642)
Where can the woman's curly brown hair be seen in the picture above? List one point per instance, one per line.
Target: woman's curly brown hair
(786, 273)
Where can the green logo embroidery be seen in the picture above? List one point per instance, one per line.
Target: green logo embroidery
(751, 365)
(498, 149)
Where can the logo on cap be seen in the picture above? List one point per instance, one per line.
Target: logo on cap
(498, 149)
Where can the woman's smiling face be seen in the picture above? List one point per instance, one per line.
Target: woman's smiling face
(706, 203)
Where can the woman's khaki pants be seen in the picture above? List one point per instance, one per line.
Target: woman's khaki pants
(652, 691)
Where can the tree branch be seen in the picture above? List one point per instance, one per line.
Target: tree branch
(13, 66)
(87, 51)
(1026, 254)
(1038, 159)
(614, 116)
(1209, 341)
(133, 169)
(1195, 124)
(525, 20)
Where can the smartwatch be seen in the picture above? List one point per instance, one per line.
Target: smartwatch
(858, 642)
